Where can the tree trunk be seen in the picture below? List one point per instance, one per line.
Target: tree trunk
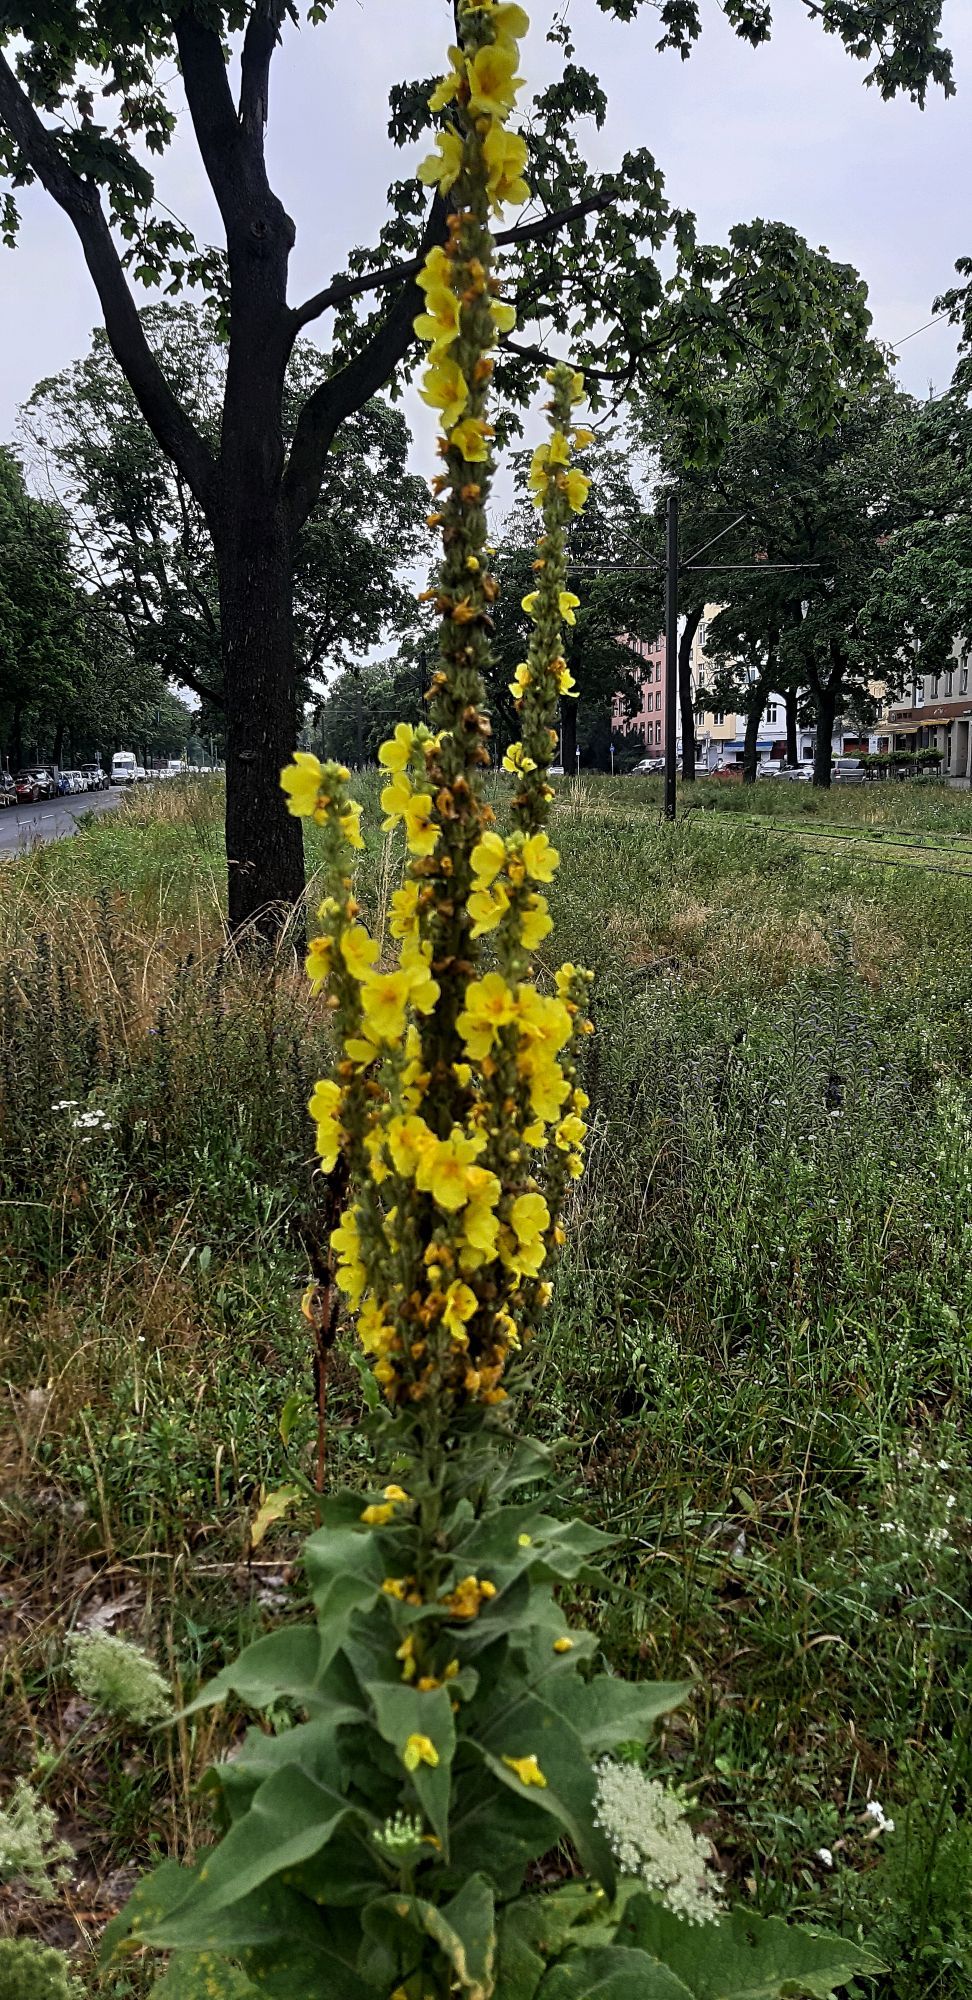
(17, 741)
(792, 739)
(825, 703)
(58, 750)
(264, 844)
(568, 735)
(753, 720)
(685, 695)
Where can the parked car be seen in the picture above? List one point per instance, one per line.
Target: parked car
(46, 781)
(140, 774)
(798, 774)
(8, 789)
(27, 788)
(95, 778)
(123, 767)
(848, 771)
(649, 766)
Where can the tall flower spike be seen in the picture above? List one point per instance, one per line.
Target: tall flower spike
(454, 1081)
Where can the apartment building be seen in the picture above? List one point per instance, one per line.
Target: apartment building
(937, 716)
(648, 720)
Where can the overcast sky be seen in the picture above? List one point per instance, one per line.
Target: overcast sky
(787, 132)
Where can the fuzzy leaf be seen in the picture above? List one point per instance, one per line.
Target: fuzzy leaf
(745, 1957)
(285, 1663)
(464, 1930)
(401, 1712)
(202, 1976)
(605, 1711)
(529, 1727)
(611, 1972)
(273, 1508)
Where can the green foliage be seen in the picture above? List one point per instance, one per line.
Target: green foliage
(31, 1854)
(30, 1971)
(115, 1675)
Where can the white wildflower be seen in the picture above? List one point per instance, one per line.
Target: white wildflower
(824, 1854)
(650, 1836)
(875, 1811)
(30, 1851)
(113, 1674)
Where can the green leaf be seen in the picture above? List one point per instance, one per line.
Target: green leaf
(203, 1976)
(529, 1727)
(285, 1663)
(611, 1972)
(605, 1711)
(291, 1817)
(345, 1568)
(464, 1930)
(401, 1712)
(273, 1508)
(159, 1912)
(745, 1957)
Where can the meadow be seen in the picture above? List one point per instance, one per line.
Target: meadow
(756, 1367)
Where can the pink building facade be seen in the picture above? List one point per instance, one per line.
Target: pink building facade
(649, 719)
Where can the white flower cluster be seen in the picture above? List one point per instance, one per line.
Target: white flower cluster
(113, 1674)
(401, 1838)
(30, 1851)
(875, 1811)
(649, 1835)
(85, 1122)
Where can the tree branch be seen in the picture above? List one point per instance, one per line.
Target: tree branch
(342, 289)
(167, 419)
(351, 388)
(259, 42)
(213, 115)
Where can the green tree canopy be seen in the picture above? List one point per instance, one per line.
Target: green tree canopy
(87, 102)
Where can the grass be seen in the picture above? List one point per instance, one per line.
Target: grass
(756, 1366)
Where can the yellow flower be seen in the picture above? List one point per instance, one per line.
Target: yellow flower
(408, 1140)
(563, 1645)
(406, 1653)
(404, 911)
(394, 755)
(529, 603)
(566, 683)
(444, 387)
(317, 964)
(568, 604)
(490, 1006)
(503, 316)
(442, 1170)
(437, 269)
(358, 951)
(444, 171)
(421, 832)
(535, 922)
(395, 798)
(469, 438)
(419, 1750)
(493, 86)
(445, 90)
(505, 154)
(487, 907)
(396, 1586)
(460, 1305)
(540, 858)
(324, 1107)
(302, 783)
(350, 824)
(377, 1517)
(423, 990)
(523, 675)
(582, 438)
(527, 1770)
(439, 323)
(397, 1493)
(480, 1228)
(558, 449)
(488, 857)
(529, 1216)
(517, 760)
(384, 997)
(570, 1132)
(539, 476)
(576, 486)
(547, 1084)
(465, 1600)
(373, 1330)
(545, 1020)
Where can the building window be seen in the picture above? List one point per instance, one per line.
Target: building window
(657, 732)
(964, 681)
(935, 681)
(771, 712)
(949, 681)
(719, 718)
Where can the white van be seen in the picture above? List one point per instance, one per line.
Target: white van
(123, 767)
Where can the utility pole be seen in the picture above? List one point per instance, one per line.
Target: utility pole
(358, 723)
(671, 650)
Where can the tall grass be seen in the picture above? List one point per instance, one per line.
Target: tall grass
(757, 1367)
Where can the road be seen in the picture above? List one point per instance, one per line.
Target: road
(50, 819)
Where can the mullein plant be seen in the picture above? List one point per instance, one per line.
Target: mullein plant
(435, 1729)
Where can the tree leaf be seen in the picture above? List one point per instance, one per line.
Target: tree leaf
(746, 1957)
